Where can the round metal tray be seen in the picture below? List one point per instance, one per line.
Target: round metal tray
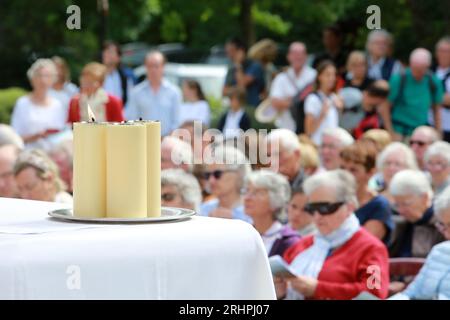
(167, 214)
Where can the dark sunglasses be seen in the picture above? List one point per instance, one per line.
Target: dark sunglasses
(168, 196)
(323, 208)
(217, 174)
(419, 143)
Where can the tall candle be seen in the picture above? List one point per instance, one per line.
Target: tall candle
(126, 168)
(89, 175)
(153, 168)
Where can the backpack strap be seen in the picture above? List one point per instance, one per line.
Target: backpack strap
(386, 68)
(123, 84)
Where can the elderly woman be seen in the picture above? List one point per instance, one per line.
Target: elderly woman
(180, 189)
(394, 158)
(333, 141)
(437, 163)
(63, 90)
(37, 178)
(356, 76)
(433, 280)
(342, 259)
(62, 155)
(265, 197)
(298, 218)
(374, 212)
(105, 106)
(38, 116)
(417, 234)
(225, 171)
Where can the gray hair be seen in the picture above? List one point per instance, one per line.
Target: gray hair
(445, 39)
(345, 139)
(39, 64)
(421, 55)
(439, 148)
(9, 136)
(341, 181)
(442, 202)
(186, 184)
(181, 151)
(378, 33)
(287, 139)
(410, 159)
(277, 186)
(410, 182)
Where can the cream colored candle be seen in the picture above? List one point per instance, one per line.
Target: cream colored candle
(153, 168)
(126, 168)
(89, 169)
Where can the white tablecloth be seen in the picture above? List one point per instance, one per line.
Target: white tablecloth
(200, 258)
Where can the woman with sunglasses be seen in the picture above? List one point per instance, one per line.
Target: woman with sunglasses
(180, 189)
(224, 172)
(415, 233)
(433, 280)
(437, 163)
(266, 194)
(342, 259)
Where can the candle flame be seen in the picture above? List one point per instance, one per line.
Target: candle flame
(91, 114)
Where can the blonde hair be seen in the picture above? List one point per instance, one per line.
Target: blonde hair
(95, 70)
(264, 50)
(44, 166)
(380, 137)
(309, 157)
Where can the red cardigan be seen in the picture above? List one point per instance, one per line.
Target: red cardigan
(345, 273)
(113, 107)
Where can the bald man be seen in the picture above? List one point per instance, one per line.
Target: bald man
(155, 98)
(8, 157)
(288, 83)
(414, 93)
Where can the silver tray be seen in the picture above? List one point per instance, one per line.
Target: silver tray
(167, 214)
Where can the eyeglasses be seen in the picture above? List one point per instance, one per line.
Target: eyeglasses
(168, 196)
(323, 208)
(217, 174)
(418, 142)
(253, 193)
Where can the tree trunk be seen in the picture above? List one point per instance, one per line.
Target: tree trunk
(246, 22)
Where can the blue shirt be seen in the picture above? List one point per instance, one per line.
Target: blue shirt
(255, 88)
(238, 212)
(162, 105)
(377, 209)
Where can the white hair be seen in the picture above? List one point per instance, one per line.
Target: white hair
(445, 39)
(345, 139)
(439, 148)
(410, 159)
(186, 184)
(277, 186)
(431, 132)
(181, 151)
(287, 139)
(410, 182)
(341, 181)
(442, 202)
(420, 55)
(39, 64)
(9, 136)
(232, 158)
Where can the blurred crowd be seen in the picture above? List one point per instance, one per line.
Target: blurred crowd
(362, 171)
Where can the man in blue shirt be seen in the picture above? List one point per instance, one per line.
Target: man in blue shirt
(155, 98)
(244, 73)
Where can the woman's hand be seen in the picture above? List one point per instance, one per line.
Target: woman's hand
(338, 103)
(280, 287)
(221, 212)
(325, 109)
(304, 285)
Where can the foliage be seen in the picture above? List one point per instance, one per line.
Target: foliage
(8, 98)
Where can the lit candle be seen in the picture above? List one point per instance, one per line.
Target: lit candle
(89, 169)
(126, 168)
